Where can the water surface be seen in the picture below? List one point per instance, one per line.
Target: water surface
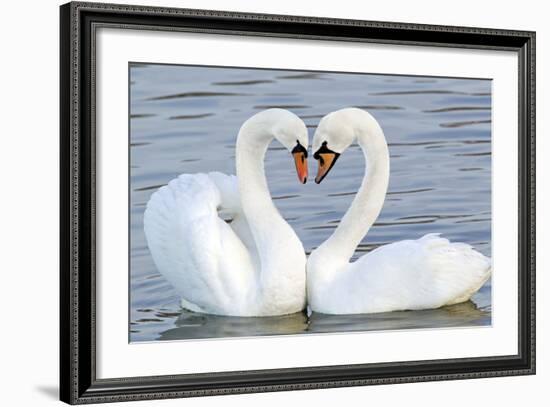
(184, 119)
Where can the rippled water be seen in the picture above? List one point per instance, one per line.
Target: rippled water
(184, 119)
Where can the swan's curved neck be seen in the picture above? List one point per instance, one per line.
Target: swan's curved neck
(369, 200)
(274, 238)
(252, 143)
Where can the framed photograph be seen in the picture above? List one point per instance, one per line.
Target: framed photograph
(255, 203)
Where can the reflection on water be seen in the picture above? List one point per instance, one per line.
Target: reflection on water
(190, 325)
(185, 119)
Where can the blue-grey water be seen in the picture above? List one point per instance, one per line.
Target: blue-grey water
(184, 119)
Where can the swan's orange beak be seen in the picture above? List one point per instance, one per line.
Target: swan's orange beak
(300, 159)
(326, 162)
(299, 153)
(327, 158)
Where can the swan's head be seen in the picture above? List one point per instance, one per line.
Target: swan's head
(335, 133)
(289, 130)
(333, 136)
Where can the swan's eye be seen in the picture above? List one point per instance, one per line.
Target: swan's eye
(322, 150)
(299, 149)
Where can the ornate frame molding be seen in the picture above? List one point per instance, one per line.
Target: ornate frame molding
(79, 21)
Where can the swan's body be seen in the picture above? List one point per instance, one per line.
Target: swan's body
(408, 275)
(253, 266)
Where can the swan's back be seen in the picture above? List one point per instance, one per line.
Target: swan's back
(408, 275)
(193, 248)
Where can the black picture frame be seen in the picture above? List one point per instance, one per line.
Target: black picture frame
(78, 381)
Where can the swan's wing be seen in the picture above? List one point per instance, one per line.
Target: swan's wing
(457, 270)
(195, 250)
(416, 274)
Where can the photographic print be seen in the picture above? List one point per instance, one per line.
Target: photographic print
(224, 189)
(370, 210)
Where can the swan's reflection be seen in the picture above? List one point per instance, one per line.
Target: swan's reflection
(463, 314)
(192, 325)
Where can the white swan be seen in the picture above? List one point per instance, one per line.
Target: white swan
(408, 275)
(253, 266)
